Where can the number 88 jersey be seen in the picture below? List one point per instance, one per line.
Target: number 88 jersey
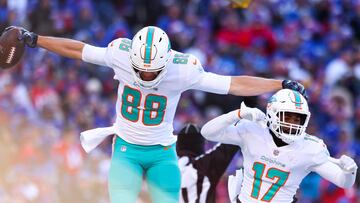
(145, 116)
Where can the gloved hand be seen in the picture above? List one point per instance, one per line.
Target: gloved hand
(252, 114)
(29, 38)
(293, 85)
(234, 185)
(347, 164)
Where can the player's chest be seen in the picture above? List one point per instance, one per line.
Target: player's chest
(284, 158)
(170, 85)
(148, 106)
(134, 94)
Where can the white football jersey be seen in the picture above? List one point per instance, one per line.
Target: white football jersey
(145, 116)
(271, 173)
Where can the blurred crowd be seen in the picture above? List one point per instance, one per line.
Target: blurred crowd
(47, 100)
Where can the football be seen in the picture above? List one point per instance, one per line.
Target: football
(240, 3)
(11, 49)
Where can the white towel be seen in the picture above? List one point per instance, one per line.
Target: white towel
(90, 139)
(234, 185)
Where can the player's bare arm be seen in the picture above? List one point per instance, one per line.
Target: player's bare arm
(65, 47)
(73, 49)
(252, 86)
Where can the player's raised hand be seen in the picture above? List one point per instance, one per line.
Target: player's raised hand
(28, 37)
(252, 114)
(293, 85)
(346, 163)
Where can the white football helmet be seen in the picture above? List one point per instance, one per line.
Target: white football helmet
(287, 101)
(149, 52)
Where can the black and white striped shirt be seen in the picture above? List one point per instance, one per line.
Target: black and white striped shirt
(200, 175)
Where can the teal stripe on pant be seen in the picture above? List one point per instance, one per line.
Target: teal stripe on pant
(130, 162)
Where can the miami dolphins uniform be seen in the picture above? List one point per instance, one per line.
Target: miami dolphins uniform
(144, 121)
(271, 173)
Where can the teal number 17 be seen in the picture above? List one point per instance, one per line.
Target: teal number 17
(272, 173)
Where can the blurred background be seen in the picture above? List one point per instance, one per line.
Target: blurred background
(47, 100)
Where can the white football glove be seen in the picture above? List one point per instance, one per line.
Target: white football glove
(234, 185)
(251, 114)
(346, 163)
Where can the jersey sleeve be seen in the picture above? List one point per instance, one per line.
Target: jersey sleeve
(115, 55)
(320, 153)
(94, 55)
(197, 78)
(227, 129)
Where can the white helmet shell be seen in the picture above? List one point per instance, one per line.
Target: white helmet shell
(149, 52)
(283, 101)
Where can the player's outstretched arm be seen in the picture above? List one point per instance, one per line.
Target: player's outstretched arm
(65, 47)
(341, 172)
(73, 49)
(252, 86)
(62, 46)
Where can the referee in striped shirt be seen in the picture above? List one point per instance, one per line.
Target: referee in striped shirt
(200, 170)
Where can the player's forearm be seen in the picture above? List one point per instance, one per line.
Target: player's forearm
(215, 128)
(336, 175)
(252, 86)
(62, 46)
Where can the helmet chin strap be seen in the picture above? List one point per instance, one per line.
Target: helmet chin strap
(142, 77)
(141, 84)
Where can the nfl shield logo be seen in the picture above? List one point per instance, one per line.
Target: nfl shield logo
(276, 152)
(123, 148)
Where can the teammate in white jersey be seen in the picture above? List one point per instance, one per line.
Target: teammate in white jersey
(151, 78)
(277, 152)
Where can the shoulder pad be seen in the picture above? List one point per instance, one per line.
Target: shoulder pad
(317, 149)
(311, 138)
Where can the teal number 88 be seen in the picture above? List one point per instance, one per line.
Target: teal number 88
(153, 113)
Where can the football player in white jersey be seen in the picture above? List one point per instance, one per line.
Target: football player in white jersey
(277, 152)
(151, 78)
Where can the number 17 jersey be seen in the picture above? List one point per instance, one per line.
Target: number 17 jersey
(271, 173)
